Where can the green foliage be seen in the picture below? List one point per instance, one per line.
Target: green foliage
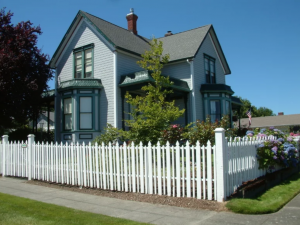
(173, 134)
(204, 131)
(294, 129)
(110, 134)
(152, 113)
(281, 151)
(255, 112)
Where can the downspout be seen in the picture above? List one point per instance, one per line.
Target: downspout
(55, 108)
(191, 62)
(115, 90)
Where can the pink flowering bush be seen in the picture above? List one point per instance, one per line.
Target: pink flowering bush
(173, 134)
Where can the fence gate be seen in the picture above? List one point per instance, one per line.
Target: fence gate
(14, 158)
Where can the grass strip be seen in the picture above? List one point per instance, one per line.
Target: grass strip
(270, 201)
(16, 210)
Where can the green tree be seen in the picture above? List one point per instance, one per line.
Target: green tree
(152, 113)
(263, 111)
(255, 112)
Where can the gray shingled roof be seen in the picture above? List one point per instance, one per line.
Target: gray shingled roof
(119, 36)
(179, 46)
(184, 45)
(268, 121)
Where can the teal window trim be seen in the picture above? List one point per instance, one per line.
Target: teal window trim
(93, 96)
(91, 113)
(222, 99)
(218, 114)
(80, 53)
(64, 114)
(210, 70)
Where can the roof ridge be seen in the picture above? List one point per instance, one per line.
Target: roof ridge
(186, 31)
(143, 38)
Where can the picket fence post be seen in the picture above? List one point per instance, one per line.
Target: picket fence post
(220, 163)
(30, 148)
(4, 144)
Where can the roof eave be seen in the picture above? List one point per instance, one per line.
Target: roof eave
(52, 63)
(69, 33)
(223, 58)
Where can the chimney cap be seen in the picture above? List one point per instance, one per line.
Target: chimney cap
(131, 12)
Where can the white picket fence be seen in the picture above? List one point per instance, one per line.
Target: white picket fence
(202, 172)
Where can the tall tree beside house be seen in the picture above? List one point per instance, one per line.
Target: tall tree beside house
(152, 112)
(24, 71)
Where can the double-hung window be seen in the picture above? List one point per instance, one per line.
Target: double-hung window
(83, 62)
(68, 114)
(85, 113)
(210, 69)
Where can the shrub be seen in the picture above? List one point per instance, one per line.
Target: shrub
(110, 134)
(204, 131)
(173, 134)
(281, 151)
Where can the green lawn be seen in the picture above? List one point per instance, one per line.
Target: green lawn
(17, 210)
(270, 201)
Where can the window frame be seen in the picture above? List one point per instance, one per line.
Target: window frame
(217, 116)
(83, 50)
(210, 76)
(64, 114)
(91, 112)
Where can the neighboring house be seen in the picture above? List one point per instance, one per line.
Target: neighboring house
(96, 65)
(42, 121)
(282, 122)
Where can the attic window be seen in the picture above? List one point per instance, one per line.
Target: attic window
(83, 61)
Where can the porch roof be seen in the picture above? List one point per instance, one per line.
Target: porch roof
(80, 83)
(142, 77)
(216, 88)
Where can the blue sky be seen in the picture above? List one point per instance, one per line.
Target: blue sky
(260, 38)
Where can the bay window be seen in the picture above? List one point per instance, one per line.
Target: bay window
(85, 113)
(67, 113)
(215, 110)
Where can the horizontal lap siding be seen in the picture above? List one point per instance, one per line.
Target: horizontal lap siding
(103, 63)
(126, 65)
(208, 49)
(180, 71)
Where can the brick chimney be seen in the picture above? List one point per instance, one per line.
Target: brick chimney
(280, 114)
(131, 20)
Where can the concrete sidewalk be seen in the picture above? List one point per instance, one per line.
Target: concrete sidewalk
(145, 212)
